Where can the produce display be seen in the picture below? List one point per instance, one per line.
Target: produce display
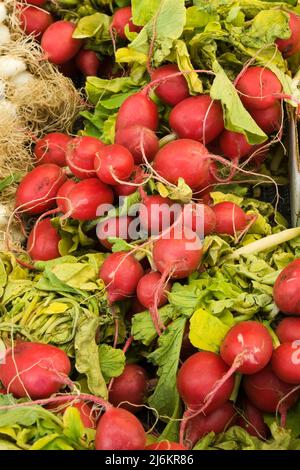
(149, 272)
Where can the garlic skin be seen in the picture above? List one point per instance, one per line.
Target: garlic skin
(11, 66)
(22, 79)
(4, 35)
(3, 12)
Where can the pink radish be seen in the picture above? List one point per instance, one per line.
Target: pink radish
(138, 139)
(62, 200)
(269, 119)
(42, 243)
(291, 46)
(230, 218)
(87, 62)
(171, 90)
(122, 18)
(138, 109)
(234, 145)
(34, 20)
(200, 218)
(288, 330)
(198, 118)
(129, 387)
(252, 421)
(156, 214)
(36, 2)
(286, 290)
(81, 154)
(138, 176)
(115, 227)
(286, 362)
(52, 148)
(113, 164)
(58, 43)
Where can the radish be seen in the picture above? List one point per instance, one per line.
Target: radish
(138, 176)
(171, 90)
(200, 218)
(113, 164)
(81, 155)
(42, 243)
(177, 255)
(230, 218)
(268, 393)
(62, 200)
(187, 349)
(39, 3)
(156, 214)
(184, 158)
(58, 43)
(85, 198)
(291, 46)
(197, 118)
(286, 362)
(234, 145)
(121, 273)
(269, 119)
(259, 88)
(288, 330)
(34, 369)
(69, 69)
(137, 109)
(129, 387)
(138, 140)
(217, 421)
(252, 421)
(34, 20)
(115, 227)
(86, 412)
(286, 290)
(52, 148)
(87, 62)
(165, 445)
(121, 19)
(37, 190)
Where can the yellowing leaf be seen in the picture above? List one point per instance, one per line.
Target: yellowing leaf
(130, 55)
(185, 65)
(55, 307)
(207, 331)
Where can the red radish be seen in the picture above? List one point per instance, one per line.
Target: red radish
(87, 62)
(230, 218)
(85, 198)
(156, 214)
(130, 387)
(34, 20)
(36, 2)
(197, 377)
(198, 118)
(138, 139)
(247, 347)
(121, 273)
(81, 155)
(115, 227)
(136, 307)
(42, 243)
(69, 69)
(234, 145)
(86, 412)
(258, 88)
(113, 164)
(58, 43)
(118, 429)
(62, 199)
(200, 218)
(138, 109)
(171, 90)
(268, 393)
(187, 349)
(185, 159)
(34, 369)
(3, 391)
(288, 330)
(177, 255)
(286, 362)
(290, 46)
(165, 445)
(269, 119)
(286, 290)
(121, 19)
(37, 190)
(52, 148)
(137, 177)
(217, 421)
(252, 421)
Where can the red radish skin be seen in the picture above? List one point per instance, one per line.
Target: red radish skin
(130, 387)
(288, 330)
(115, 227)
(86, 412)
(38, 3)
(184, 158)
(291, 46)
(230, 218)
(85, 198)
(37, 190)
(87, 62)
(58, 44)
(34, 369)
(234, 145)
(62, 200)
(156, 214)
(113, 163)
(217, 421)
(251, 342)
(122, 18)
(42, 243)
(52, 148)
(197, 377)
(286, 362)
(200, 218)
(137, 177)
(121, 273)
(269, 119)
(34, 20)
(81, 155)
(252, 420)
(268, 393)
(197, 118)
(172, 90)
(286, 290)
(147, 287)
(140, 110)
(165, 445)
(118, 429)
(138, 139)
(258, 88)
